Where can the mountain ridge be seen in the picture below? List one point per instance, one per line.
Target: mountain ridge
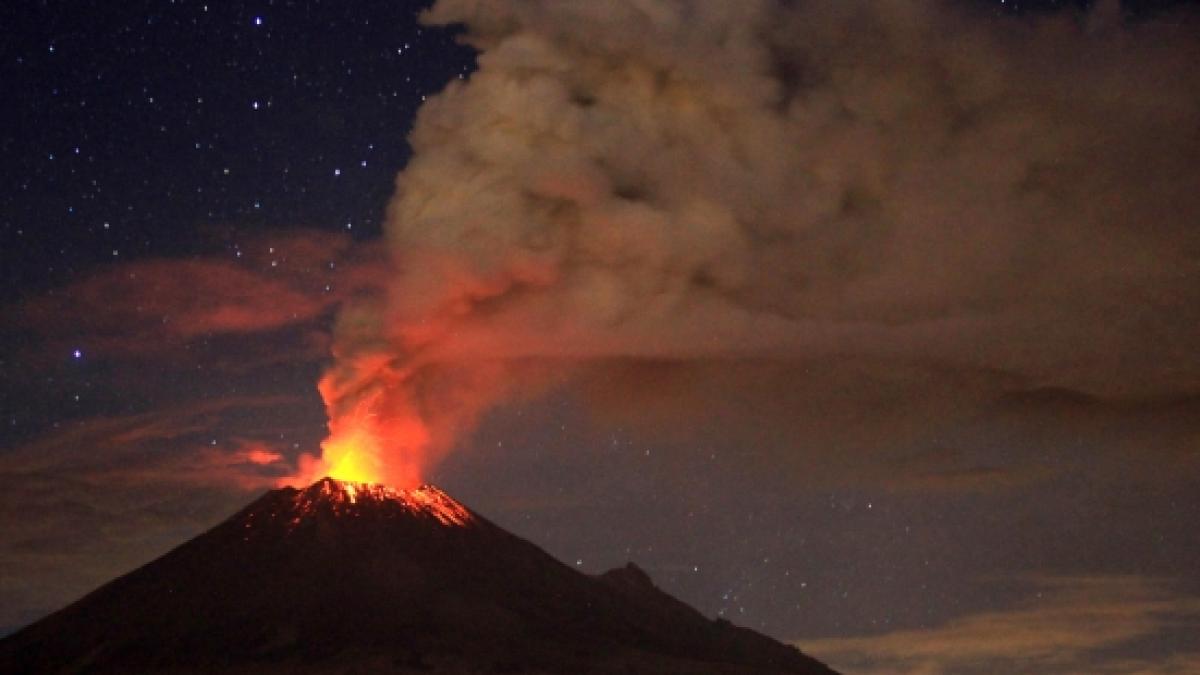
(349, 577)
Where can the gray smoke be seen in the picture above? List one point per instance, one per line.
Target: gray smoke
(898, 184)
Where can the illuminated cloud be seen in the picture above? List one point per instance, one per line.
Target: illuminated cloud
(147, 308)
(169, 445)
(1061, 628)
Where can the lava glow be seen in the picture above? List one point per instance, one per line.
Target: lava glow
(369, 445)
(344, 497)
(353, 455)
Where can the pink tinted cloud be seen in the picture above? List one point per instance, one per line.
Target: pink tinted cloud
(148, 306)
(262, 456)
(167, 446)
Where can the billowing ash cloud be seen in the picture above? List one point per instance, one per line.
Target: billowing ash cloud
(708, 182)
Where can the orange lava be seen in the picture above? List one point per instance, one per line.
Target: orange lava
(345, 497)
(369, 445)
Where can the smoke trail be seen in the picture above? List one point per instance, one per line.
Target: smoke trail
(696, 182)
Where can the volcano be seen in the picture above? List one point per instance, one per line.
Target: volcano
(345, 577)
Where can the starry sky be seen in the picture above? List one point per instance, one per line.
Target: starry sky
(193, 192)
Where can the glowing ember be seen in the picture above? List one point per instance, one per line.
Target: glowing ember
(350, 498)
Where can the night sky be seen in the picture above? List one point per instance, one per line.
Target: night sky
(903, 452)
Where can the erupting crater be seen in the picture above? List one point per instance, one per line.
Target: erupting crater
(344, 497)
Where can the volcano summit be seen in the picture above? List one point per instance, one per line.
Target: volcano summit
(345, 577)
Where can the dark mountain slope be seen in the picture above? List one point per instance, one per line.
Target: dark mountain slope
(348, 578)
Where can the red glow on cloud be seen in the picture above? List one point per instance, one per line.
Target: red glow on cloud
(147, 308)
(262, 456)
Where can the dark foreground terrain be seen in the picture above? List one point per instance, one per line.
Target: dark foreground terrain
(350, 578)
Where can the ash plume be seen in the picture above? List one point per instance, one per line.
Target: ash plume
(897, 185)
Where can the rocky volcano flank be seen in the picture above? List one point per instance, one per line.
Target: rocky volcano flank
(354, 578)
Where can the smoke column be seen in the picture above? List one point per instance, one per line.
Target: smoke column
(707, 182)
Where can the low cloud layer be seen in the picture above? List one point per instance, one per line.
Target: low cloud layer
(170, 445)
(1067, 625)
